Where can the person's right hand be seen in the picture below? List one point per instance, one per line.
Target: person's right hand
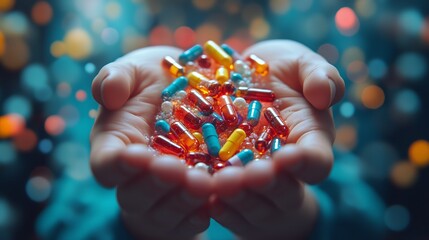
(159, 197)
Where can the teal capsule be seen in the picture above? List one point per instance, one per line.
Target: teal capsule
(178, 84)
(162, 127)
(229, 50)
(276, 144)
(241, 158)
(211, 139)
(254, 112)
(236, 77)
(191, 54)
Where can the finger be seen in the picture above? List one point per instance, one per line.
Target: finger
(303, 70)
(309, 160)
(228, 181)
(175, 207)
(112, 162)
(197, 222)
(229, 218)
(283, 191)
(114, 84)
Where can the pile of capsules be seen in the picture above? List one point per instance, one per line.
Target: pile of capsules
(211, 115)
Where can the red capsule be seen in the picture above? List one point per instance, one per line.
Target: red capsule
(186, 116)
(228, 111)
(193, 158)
(204, 61)
(218, 165)
(275, 120)
(164, 145)
(264, 95)
(264, 140)
(205, 107)
(184, 136)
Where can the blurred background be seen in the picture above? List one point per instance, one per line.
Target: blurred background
(51, 50)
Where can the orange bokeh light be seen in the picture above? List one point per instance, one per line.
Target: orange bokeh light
(184, 37)
(372, 97)
(81, 95)
(419, 153)
(346, 21)
(10, 125)
(161, 35)
(55, 125)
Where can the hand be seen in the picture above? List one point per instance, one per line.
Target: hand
(268, 199)
(159, 197)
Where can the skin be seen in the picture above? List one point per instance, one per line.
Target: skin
(161, 197)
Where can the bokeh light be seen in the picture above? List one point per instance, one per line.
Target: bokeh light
(259, 28)
(403, 174)
(329, 52)
(411, 66)
(407, 102)
(16, 54)
(10, 125)
(2, 44)
(372, 97)
(184, 37)
(45, 146)
(25, 140)
(419, 153)
(161, 35)
(81, 95)
(17, 104)
(55, 125)
(204, 4)
(41, 13)
(8, 153)
(279, 6)
(397, 218)
(38, 188)
(347, 109)
(346, 137)
(377, 68)
(6, 5)
(366, 8)
(347, 21)
(78, 43)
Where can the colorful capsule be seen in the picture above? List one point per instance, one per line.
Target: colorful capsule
(162, 127)
(205, 107)
(191, 54)
(254, 112)
(258, 64)
(230, 51)
(222, 74)
(186, 116)
(218, 54)
(241, 158)
(264, 140)
(236, 77)
(211, 138)
(178, 84)
(193, 158)
(227, 88)
(228, 111)
(165, 145)
(218, 121)
(232, 144)
(218, 165)
(184, 136)
(247, 128)
(204, 61)
(203, 84)
(264, 95)
(172, 66)
(198, 136)
(276, 144)
(275, 120)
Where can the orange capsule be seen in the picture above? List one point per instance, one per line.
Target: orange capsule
(186, 116)
(173, 67)
(185, 137)
(203, 84)
(264, 95)
(193, 158)
(258, 64)
(228, 111)
(205, 107)
(275, 120)
(264, 140)
(227, 88)
(165, 145)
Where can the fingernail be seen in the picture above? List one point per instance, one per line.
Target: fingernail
(333, 89)
(191, 199)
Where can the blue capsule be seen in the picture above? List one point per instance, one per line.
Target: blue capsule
(211, 139)
(178, 84)
(241, 158)
(191, 54)
(254, 112)
(276, 144)
(162, 127)
(236, 77)
(228, 49)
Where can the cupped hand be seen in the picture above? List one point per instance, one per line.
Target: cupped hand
(159, 197)
(268, 199)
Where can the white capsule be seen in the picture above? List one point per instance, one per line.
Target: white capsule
(167, 107)
(240, 103)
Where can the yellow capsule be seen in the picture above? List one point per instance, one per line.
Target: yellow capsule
(218, 54)
(222, 75)
(175, 69)
(258, 64)
(198, 136)
(195, 78)
(232, 144)
(203, 84)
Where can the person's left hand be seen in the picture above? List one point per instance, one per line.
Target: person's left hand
(268, 199)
